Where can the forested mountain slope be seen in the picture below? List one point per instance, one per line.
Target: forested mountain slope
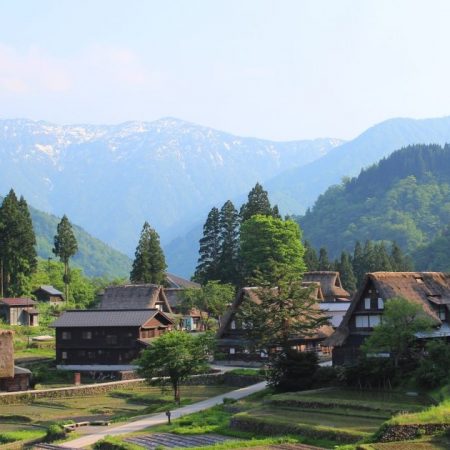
(94, 256)
(297, 189)
(404, 198)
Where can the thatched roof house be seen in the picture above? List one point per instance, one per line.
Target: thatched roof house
(135, 296)
(330, 283)
(231, 340)
(429, 289)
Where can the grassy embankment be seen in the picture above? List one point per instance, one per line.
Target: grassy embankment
(115, 406)
(324, 417)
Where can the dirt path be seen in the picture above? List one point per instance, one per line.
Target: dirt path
(160, 418)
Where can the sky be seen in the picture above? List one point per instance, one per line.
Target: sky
(280, 70)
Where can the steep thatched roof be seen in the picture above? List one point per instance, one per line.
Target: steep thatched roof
(424, 288)
(133, 296)
(174, 281)
(330, 283)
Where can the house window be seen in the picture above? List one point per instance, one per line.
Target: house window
(362, 322)
(380, 303)
(66, 335)
(367, 303)
(64, 355)
(264, 354)
(374, 320)
(442, 314)
(233, 324)
(232, 351)
(86, 334)
(111, 339)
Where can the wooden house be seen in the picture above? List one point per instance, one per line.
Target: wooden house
(106, 340)
(336, 300)
(49, 294)
(176, 282)
(231, 341)
(19, 311)
(429, 289)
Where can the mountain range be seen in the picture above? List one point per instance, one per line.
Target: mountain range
(109, 179)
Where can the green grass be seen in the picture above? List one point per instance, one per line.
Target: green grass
(359, 424)
(247, 372)
(14, 436)
(114, 405)
(435, 414)
(386, 402)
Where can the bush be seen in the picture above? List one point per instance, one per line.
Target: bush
(325, 376)
(55, 432)
(292, 370)
(434, 368)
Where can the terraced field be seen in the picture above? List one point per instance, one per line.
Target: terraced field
(342, 415)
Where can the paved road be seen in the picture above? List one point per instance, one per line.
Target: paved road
(158, 419)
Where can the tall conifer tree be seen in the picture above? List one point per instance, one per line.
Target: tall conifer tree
(358, 263)
(229, 243)
(149, 264)
(65, 246)
(324, 262)
(208, 262)
(310, 258)
(18, 259)
(258, 203)
(345, 269)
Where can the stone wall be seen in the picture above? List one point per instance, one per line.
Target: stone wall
(390, 433)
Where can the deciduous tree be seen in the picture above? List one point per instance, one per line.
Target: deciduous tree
(173, 357)
(271, 248)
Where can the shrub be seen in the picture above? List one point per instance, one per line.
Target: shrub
(55, 432)
(325, 376)
(292, 370)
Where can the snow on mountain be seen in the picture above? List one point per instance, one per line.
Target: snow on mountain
(111, 178)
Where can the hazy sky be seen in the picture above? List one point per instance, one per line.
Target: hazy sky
(275, 69)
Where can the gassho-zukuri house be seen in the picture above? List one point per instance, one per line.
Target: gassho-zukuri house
(430, 289)
(106, 340)
(334, 299)
(231, 340)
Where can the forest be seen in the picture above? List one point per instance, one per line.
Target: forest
(404, 198)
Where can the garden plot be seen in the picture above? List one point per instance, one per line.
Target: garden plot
(170, 440)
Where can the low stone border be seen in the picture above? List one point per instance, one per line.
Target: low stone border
(391, 433)
(10, 398)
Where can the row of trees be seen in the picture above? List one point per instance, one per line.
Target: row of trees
(227, 249)
(370, 257)
(18, 257)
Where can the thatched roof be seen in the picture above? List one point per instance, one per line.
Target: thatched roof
(424, 288)
(133, 296)
(174, 281)
(330, 283)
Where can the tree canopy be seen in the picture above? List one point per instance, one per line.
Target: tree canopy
(396, 334)
(271, 247)
(173, 357)
(17, 245)
(213, 298)
(149, 264)
(65, 247)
